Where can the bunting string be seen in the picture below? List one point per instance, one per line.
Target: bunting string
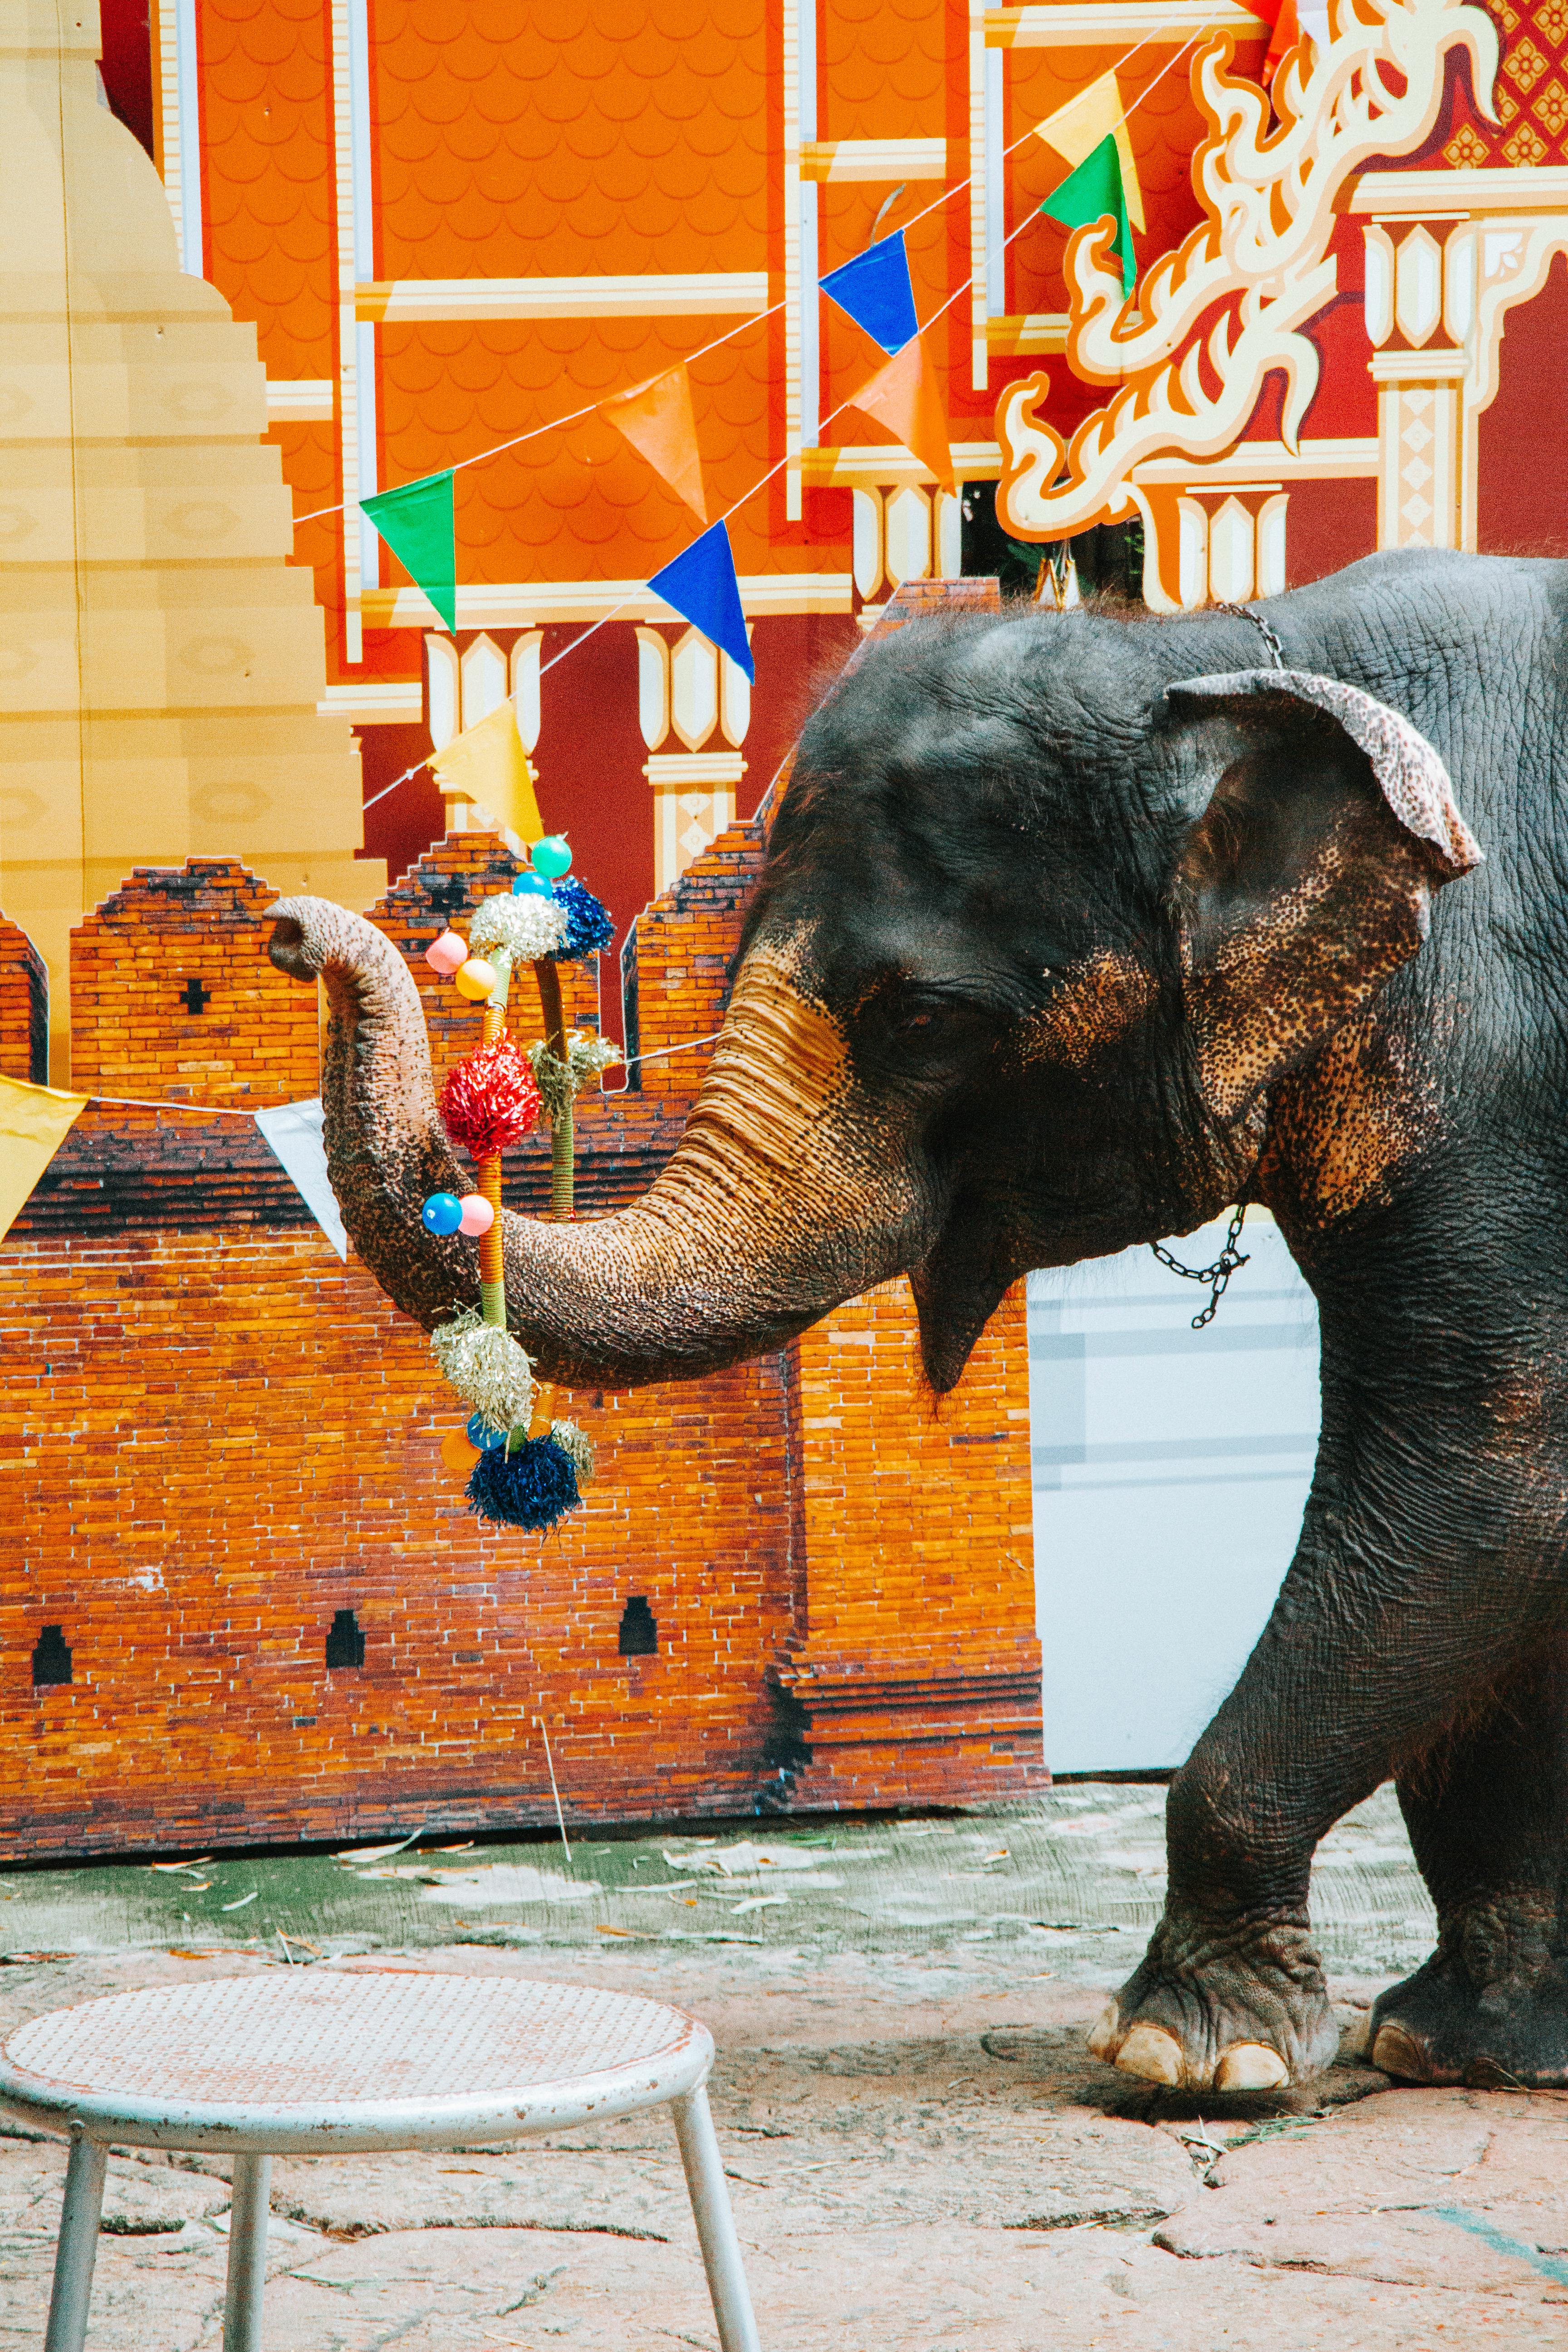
(958, 188)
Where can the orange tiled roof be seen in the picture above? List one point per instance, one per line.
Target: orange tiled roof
(581, 137)
(268, 132)
(886, 69)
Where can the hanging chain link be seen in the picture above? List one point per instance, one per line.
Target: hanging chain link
(1217, 1276)
(1245, 613)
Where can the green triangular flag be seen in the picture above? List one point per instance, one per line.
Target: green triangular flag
(416, 524)
(1091, 192)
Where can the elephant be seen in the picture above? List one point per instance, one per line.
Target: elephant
(1075, 929)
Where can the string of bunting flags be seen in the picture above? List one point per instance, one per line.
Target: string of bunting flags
(417, 521)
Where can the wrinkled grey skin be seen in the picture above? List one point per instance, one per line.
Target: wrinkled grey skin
(1052, 957)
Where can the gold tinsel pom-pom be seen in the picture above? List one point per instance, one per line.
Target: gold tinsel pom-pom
(489, 1368)
(560, 1082)
(577, 1446)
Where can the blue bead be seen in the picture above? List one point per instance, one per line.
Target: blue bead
(553, 855)
(531, 886)
(481, 1434)
(442, 1213)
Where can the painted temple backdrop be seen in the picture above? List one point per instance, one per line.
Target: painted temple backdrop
(270, 258)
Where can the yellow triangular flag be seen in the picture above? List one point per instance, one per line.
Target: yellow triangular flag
(34, 1123)
(487, 764)
(1076, 129)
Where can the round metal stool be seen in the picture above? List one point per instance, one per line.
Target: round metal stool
(324, 2063)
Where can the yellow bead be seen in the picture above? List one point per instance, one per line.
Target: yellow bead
(477, 977)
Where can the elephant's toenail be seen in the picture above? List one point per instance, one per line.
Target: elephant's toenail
(1154, 2053)
(1250, 2066)
(1107, 2033)
(1396, 2052)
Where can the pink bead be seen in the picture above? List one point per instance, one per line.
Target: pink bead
(477, 1216)
(444, 955)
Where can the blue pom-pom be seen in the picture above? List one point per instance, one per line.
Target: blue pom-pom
(533, 1487)
(442, 1213)
(589, 925)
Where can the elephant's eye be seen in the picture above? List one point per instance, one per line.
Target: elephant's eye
(923, 1029)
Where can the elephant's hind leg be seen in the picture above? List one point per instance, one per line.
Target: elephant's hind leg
(1487, 1815)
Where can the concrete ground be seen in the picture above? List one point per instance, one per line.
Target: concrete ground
(922, 2153)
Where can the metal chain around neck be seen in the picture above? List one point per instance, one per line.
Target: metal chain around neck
(1243, 613)
(1217, 1276)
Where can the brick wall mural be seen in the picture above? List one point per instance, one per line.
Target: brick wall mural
(798, 1583)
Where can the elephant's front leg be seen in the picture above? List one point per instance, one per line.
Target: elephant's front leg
(1231, 1994)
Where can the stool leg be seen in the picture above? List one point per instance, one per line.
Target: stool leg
(78, 2249)
(715, 2222)
(246, 2254)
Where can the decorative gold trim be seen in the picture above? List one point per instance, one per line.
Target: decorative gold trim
(531, 603)
(874, 159)
(1059, 26)
(712, 293)
(884, 466)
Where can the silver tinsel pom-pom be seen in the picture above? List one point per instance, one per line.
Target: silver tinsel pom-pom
(577, 1446)
(526, 929)
(489, 1368)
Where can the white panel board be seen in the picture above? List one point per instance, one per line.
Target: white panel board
(1170, 1471)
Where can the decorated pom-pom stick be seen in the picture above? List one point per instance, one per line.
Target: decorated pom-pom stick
(442, 1213)
(447, 954)
(477, 1215)
(477, 979)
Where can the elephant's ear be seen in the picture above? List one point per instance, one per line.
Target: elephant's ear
(1309, 877)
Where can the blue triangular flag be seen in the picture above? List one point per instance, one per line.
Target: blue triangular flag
(701, 586)
(877, 291)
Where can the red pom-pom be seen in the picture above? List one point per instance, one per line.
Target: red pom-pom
(491, 1101)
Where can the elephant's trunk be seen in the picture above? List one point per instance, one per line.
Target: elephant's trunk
(784, 1195)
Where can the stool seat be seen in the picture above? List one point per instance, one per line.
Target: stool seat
(330, 2061)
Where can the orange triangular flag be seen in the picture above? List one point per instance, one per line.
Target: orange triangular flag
(1287, 32)
(656, 419)
(906, 397)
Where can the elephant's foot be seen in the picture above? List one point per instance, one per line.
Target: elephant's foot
(1236, 2008)
(1461, 2019)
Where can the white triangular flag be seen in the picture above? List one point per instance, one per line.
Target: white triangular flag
(294, 1132)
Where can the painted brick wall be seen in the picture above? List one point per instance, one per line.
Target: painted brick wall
(684, 943)
(24, 1007)
(216, 1448)
(172, 993)
(915, 1652)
